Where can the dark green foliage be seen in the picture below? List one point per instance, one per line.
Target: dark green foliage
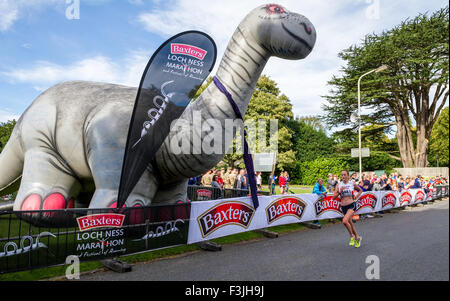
(6, 129)
(439, 146)
(310, 171)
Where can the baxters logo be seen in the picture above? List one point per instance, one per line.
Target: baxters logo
(289, 206)
(419, 197)
(367, 200)
(107, 220)
(388, 200)
(405, 198)
(223, 214)
(188, 50)
(327, 204)
(204, 194)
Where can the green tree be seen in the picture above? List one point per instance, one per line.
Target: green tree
(267, 103)
(310, 140)
(313, 121)
(203, 87)
(412, 91)
(439, 148)
(310, 171)
(371, 137)
(6, 129)
(376, 161)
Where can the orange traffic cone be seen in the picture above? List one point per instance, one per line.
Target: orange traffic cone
(356, 218)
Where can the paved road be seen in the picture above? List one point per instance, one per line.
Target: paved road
(411, 245)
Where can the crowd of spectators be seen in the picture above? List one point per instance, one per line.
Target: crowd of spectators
(373, 182)
(283, 182)
(396, 182)
(230, 178)
(233, 178)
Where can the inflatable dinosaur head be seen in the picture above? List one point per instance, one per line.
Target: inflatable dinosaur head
(280, 32)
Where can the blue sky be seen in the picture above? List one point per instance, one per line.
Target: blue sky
(113, 40)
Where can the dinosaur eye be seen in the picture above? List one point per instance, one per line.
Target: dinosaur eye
(307, 28)
(274, 9)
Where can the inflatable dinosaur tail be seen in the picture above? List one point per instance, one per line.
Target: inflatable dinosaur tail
(11, 165)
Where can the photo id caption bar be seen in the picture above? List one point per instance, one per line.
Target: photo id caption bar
(240, 291)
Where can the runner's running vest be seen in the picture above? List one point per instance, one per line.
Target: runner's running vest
(348, 188)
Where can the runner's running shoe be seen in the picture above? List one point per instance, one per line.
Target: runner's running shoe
(358, 242)
(352, 241)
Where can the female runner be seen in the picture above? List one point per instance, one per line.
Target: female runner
(344, 190)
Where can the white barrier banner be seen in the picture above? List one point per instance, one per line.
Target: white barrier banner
(217, 218)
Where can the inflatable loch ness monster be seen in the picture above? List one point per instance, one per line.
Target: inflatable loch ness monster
(69, 144)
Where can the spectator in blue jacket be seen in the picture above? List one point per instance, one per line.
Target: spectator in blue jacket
(417, 184)
(192, 181)
(319, 188)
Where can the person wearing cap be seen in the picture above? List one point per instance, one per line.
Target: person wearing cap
(366, 183)
(417, 183)
(425, 188)
(376, 185)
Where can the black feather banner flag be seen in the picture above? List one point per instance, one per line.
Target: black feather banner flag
(172, 77)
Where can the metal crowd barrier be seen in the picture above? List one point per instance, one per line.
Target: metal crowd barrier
(439, 192)
(205, 193)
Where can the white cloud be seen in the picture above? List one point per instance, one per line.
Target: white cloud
(13, 10)
(6, 115)
(8, 15)
(99, 68)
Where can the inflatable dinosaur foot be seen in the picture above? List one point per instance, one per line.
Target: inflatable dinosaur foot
(54, 201)
(48, 211)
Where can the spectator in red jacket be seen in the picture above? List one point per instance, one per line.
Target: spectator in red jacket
(219, 178)
(282, 183)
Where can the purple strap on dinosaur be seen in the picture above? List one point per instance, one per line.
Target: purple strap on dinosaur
(247, 156)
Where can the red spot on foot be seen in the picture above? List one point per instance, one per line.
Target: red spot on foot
(182, 210)
(32, 202)
(71, 203)
(54, 201)
(136, 215)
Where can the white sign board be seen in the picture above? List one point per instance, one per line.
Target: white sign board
(218, 218)
(365, 152)
(264, 161)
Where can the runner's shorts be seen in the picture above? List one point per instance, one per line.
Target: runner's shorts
(348, 207)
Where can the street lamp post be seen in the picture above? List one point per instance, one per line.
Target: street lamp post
(379, 69)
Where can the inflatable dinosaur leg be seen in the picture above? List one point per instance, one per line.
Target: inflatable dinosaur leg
(105, 145)
(172, 193)
(47, 182)
(105, 155)
(105, 195)
(11, 164)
